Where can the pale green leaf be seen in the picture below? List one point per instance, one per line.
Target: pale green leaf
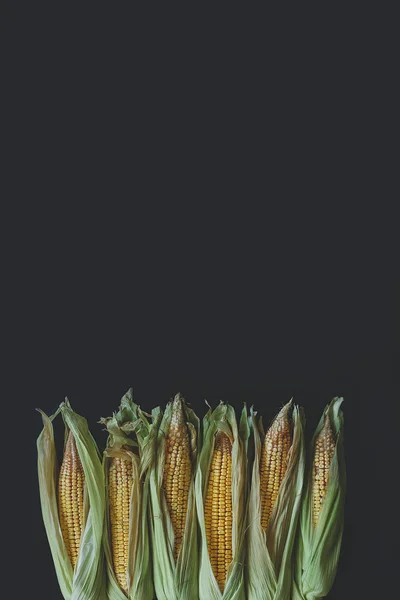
(318, 548)
(128, 435)
(87, 581)
(223, 418)
(172, 581)
(269, 553)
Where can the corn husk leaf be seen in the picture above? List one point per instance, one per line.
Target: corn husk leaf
(318, 548)
(223, 418)
(172, 580)
(87, 581)
(270, 551)
(128, 435)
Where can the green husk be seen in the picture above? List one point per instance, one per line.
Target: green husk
(223, 418)
(87, 581)
(318, 548)
(269, 553)
(128, 438)
(172, 581)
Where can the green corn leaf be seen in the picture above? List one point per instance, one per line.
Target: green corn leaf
(269, 553)
(128, 431)
(318, 547)
(223, 419)
(172, 580)
(87, 581)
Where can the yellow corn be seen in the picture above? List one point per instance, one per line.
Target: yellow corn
(70, 499)
(273, 463)
(323, 455)
(177, 471)
(218, 508)
(120, 481)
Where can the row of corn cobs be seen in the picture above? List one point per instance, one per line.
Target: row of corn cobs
(181, 512)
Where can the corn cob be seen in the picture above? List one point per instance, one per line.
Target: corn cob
(177, 471)
(323, 455)
(70, 499)
(273, 463)
(120, 481)
(218, 508)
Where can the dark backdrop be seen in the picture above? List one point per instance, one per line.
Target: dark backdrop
(185, 222)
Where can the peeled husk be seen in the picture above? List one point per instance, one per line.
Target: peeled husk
(172, 580)
(318, 548)
(223, 418)
(87, 580)
(129, 431)
(269, 553)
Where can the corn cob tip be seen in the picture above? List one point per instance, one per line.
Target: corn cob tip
(178, 417)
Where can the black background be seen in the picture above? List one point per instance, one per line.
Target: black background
(186, 222)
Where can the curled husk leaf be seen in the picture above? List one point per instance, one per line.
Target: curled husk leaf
(129, 431)
(223, 418)
(87, 580)
(318, 547)
(269, 553)
(173, 580)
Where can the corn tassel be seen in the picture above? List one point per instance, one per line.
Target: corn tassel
(74, 523)
(321, 517)
(175, 442)
(221, 495)
(274, 504)
(126, 539)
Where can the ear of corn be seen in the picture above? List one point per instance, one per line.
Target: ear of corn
(175, 438)
(274, 503)
(70, 499)
(218, 512)
(321, 517)
(72, 502)
(120, 482)
(178, 472)
(221, 495)
(273, 462)
(126, 539)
